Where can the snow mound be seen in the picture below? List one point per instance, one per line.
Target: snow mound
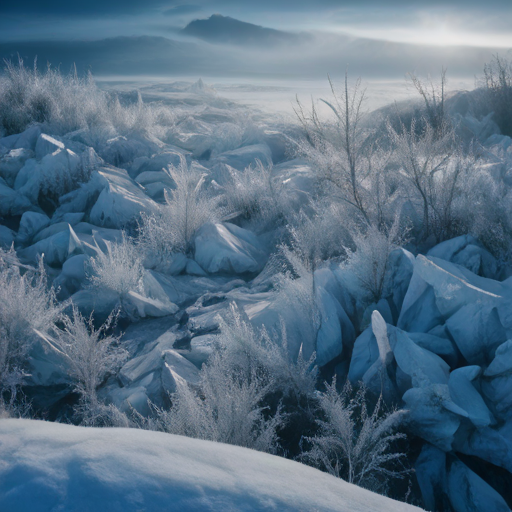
(49, 466)
(226, 248)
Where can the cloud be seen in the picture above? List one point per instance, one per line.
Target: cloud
(179, 10)
(65, 8)
(92, 8)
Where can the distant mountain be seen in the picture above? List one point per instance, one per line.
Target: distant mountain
(322, 54)
(223, 29)
(140, 55)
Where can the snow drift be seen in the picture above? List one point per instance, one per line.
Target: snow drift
(49, 466)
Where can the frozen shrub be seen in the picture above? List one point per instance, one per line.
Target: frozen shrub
(226, 137)
(433, 167)
(253, 194)
(244, 386)
(249, 348)
(229, 408)
(433, 96)
(90, 356)
(354, 443)
(65, 103)
(498, 83)
(340, 150)
(173, 228)
(485, 209)
(296, 302)
(369, 260)
(119, 269)
(26, 303)
(318, 235)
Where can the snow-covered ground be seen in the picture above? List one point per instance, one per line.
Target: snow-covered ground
(275, 96)
(177, 213)
(54, 467)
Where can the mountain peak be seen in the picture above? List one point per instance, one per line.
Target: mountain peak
(224, 29)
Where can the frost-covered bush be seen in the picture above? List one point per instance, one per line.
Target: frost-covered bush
(498, 84)
(368, 261)
(253, 194)
(296, 302)
(354, 443)
(485, 209)
(341, 150)
(228, 409)
(118, 269)
(319, 235)
(433, 96)
(433, 168)
(90, 355)
(64, 103)
(247, 347)
(26, 303)
(173, 227)
(243, 388)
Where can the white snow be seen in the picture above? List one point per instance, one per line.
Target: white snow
(226, 248)
(120, 201)
(56, 467)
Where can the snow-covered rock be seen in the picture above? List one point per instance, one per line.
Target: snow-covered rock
(47, 145)
(433, 415)
(438, 289)
(177, 369)
(138, 306)
(466, 396)
(497, 385)
(56, 249)
(101, 303)
(72, 276)
(430, 471)
(399, 272)
(468, 252)
(477, 331)
(247, 155)
(6, 237)
(329, 338)
(12, 162)
(468, 492)
(145, 168)
(226, 248)
(120, 150)
(121, 200)
(200, 349)
(365, 353)
(29, 137)
(47, 364)
(50, 466)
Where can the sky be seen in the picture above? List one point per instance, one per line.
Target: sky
(455, 22)
(374, 36)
